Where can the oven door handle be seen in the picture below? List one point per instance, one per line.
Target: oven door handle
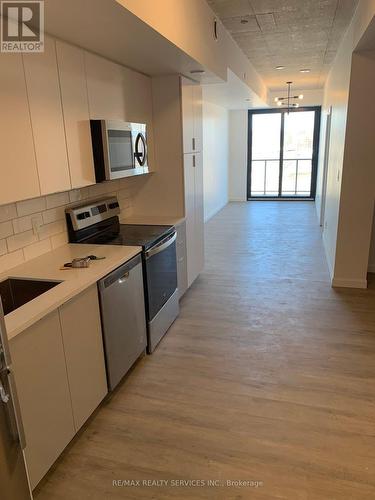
(161, 246)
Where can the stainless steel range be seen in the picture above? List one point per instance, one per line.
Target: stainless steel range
(98, 223)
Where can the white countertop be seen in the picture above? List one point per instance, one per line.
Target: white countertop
(47, 267)
(153, 220)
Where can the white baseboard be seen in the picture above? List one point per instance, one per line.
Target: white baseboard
(348, 283)
(237, 199)
(215, 211)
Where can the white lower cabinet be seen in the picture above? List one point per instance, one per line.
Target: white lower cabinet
(60, 377)
(182, 281)
(43, 391)
(83, 345)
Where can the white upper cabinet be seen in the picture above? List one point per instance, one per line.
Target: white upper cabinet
(19, 176)
(71, 67)
(187, 114)
(43, 90)
(198, 118)
(191, 102)
(105, 86)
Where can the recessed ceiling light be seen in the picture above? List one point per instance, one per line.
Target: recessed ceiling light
(244, 20)
(248, 99)
(280, 67)
(197, 72)
(305, 70)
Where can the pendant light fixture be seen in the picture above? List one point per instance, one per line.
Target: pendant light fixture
(288, 101)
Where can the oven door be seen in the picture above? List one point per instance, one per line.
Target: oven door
(120, 157)
(161, 274)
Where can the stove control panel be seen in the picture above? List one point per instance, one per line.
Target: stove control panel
(84, 215)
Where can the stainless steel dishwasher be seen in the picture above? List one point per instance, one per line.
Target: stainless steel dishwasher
(123, 318)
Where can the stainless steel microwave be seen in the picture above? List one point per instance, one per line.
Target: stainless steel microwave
(119, 149)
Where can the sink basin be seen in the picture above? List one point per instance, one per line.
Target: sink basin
(16, 292)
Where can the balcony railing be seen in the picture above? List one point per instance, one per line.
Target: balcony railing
(296, 177)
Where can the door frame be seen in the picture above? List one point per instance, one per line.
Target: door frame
(325, 165)
(314, 161)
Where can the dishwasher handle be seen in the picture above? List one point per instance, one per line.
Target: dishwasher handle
(120, 274)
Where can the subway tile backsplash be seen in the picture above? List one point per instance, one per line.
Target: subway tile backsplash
(19, 243)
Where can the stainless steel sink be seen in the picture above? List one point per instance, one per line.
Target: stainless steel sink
(15, 292)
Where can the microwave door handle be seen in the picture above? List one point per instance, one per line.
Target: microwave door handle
(162, 246)
(140, 156)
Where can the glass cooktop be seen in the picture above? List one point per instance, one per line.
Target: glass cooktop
(132, 235)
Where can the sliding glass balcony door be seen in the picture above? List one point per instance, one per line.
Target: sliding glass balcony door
(283, 153)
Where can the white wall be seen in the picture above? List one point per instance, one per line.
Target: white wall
(238, 121)
(336, 95)
(215, 158)
(348, 211)
(358, 177)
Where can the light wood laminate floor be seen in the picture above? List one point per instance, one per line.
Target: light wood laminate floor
(267, 375)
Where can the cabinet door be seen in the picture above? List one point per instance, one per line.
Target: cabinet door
(198, 118)
(193, 176)
(199, 213)
(83, 345)
(43, 89)
(187, 115)
(43, 391)
(181, 259)
(19, 176)
(105, 87)
(71, 66)
(189, 181)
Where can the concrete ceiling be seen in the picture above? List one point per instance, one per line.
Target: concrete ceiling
(297, 34)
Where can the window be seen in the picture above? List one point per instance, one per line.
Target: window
(283, 153)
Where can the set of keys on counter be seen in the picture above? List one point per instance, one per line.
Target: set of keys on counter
(81, 262)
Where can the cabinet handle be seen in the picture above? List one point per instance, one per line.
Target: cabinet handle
(16, 430)
(193, 160)
(124, 278)
(4, 396)
(193, 141)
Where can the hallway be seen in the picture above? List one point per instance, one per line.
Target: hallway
(267, 375)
